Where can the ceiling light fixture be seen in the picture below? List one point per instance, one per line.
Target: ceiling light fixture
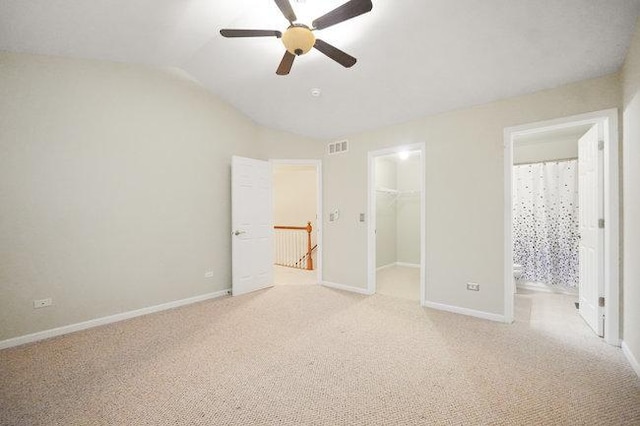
(316, 92)
(298, 39)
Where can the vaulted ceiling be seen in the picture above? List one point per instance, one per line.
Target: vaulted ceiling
(415, 57)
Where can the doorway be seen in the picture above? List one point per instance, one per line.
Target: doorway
(562, 176)
(396, 223)
(297, 234)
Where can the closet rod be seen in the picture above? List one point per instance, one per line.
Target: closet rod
(564, 160)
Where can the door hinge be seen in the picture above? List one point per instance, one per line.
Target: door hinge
(601, 302)
(601, 223)
(600, 145)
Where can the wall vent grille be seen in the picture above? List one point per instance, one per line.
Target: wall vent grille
(339, 147)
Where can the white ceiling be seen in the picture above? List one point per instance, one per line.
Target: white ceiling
(415, 57)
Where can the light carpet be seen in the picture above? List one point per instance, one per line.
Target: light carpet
(399, 281)
(310, 355)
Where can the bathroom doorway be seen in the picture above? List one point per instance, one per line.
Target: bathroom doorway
(396, 222)
(546, 210)
(561, 188)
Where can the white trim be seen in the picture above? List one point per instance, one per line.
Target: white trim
(371, 212)
(465, 311)
(631, 358)
(387, 266)
(319, 221)
(401, 264)
(345, 287)
(46, 334)
(608, 119)
(408, 265)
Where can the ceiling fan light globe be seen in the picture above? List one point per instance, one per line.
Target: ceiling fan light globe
(298, 40)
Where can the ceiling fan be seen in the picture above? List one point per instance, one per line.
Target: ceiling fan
(298, 39)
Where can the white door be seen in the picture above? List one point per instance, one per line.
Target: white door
(590, 187)
(251, 225)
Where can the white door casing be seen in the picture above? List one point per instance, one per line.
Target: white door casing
(607, 120)
(590, 188)
(251, 225)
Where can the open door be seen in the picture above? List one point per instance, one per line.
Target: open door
(591, 187)
(251, 225)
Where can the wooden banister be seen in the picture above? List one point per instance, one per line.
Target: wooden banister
(309, 229)
(292, 228)
(309, 258)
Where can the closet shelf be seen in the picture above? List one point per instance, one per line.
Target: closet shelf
(396, 194)
(395, 191)
(386, 190)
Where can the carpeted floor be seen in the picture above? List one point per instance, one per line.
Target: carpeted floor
(399, 281)
(309, 355)
(283, 275)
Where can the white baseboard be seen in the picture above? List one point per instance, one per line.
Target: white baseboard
(346, 288)
(408, 265)
(46, 334)
(387, 266)
(631, 358)
(465, 311)
(403, 264)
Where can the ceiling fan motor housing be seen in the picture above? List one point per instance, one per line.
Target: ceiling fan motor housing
(298, 39)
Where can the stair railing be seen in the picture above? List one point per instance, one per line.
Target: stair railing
(293, 246)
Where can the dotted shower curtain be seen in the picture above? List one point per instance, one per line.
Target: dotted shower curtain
(546, 228)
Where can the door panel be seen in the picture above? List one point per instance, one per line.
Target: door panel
(590, 188)
(251, 224)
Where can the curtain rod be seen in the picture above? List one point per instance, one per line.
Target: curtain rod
(564, 160)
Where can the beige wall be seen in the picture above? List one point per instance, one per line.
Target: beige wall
(386, 171)
(398, 215)
(274, 144)
(631, 197)
(295, 196)
(464, 191)
(114, 188)
(408, 207)
(547, 150)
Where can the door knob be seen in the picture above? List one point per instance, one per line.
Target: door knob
(238, 232)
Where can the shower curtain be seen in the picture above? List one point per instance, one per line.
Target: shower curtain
(545, 219)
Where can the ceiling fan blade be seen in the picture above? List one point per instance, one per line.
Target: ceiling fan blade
(349, 10)
(250, 33)
(287, 10)
(336, 54)
(285, 65)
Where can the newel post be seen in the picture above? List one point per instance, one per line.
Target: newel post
(309, 259)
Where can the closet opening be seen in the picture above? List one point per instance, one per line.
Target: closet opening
(396, 225)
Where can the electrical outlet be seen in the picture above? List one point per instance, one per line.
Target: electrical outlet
(42, 303)
(208, 274)
(473, 286)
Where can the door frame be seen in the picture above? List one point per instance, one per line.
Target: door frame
(608, 120)
(371, 223)
(318, 166)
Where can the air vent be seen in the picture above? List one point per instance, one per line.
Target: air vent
(338, 147)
